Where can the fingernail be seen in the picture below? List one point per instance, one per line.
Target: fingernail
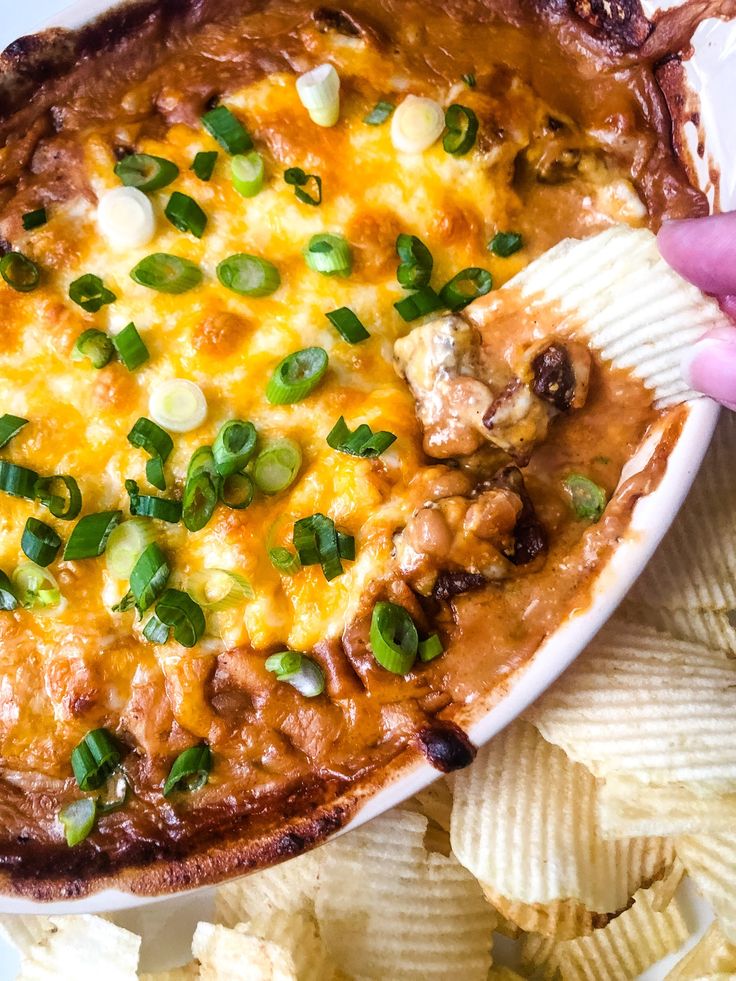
(710, 367)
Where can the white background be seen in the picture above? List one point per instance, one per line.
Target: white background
(17, 18)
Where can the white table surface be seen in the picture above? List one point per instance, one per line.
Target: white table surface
(17, 19)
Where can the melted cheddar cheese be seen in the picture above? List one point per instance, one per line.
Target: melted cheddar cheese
(84, 663)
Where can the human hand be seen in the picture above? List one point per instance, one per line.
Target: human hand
(703, 250)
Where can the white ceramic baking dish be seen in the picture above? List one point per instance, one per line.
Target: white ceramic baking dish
(651, 518)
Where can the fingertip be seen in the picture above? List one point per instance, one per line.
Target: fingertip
(710, 365)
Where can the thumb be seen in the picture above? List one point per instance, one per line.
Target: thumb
(702, 250)
(710, 366)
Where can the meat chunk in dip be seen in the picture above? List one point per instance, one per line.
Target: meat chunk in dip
(467, 397)
(463, 535)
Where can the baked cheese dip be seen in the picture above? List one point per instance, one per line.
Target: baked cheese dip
(280, 500)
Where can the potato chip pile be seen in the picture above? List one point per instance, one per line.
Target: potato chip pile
(570, 834)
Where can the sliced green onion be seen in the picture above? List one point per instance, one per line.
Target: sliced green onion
(94, 345)
(39, 542)
(462, 129)
(297, 179)
(418, 304)
(394, 638)
(319, 93)
(10, 426)
(18, 481)
(236, 491)
(178, 611)
(34, 219)
(185, 214)
(379, 113)
(157, 443)
(430, 648)
(504, 244)
(146, 506)
(178, 404)
(316, 543)
(299, 671)
(416, 124)
(90, 293)
(78, 819)
(94, 759)
(234, 445)
(284, 561)
(248, 173)
(277, 465)
(415, 268)
(146, 172)
(125, 218)
(149, 576)
(329, 255)
(297, 375)
(588, 500)
(114, 794)
(191, 770)
(201, 489)
(130, 347)
(219, 589)
(8, 596)
(362, 442)
(90, 535)
(155, 630)
(65, 504)
(248, 275)
(203, 164)
(346, 546)
(465, 287)
(155, 472)
(167, 273)
(229, 132)
(470, 80)
(35, 587)
(126, 544)
(348, 325)
(19, 272)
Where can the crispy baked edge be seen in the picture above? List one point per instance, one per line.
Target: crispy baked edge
(26, 64)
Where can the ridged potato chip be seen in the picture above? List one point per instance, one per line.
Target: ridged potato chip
(628, 945)
(713, 628)
(435, 802)
(616, 292)
(641, 703)
(562, 919)
(662, 892)
(24, 932)
(297, 933)
(713, 956)
(289, 887)
(389, 909)
(236, 955)
(695, 566)
(524, 822)
(190, 972)
(711, 862)
(81, 948)
(626, 806)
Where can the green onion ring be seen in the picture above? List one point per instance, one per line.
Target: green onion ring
(394, 639)
(297, 375)
(190, 771)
